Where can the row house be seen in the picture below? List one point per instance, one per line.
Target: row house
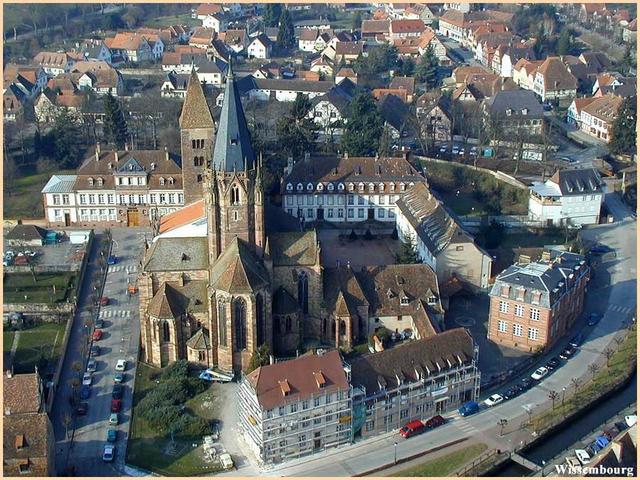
(535, 304)
(418, 46)
(321, 65)
(54, 63)
(347, 52)
(210, 71)
(116, 188)
(440, 239)
(478, 87)
(595, 116)
(553, 82)
(419, 11)
(93, 50)
(615, 84)
(205, 9)
(99, 77)
(347, 189)
(414, 381)
(479, 30)
(158, 40)
(506, 57)
(460, 26)
(295, 408)
(487, 45)
(281, 90)
(131, 47)
(569, 197)
(524, 72)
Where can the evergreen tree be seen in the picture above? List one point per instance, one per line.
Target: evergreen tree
(356, 21)
(260, 358)
(407, 254)
(272, 13)
(286, 32)
(628, 60)
(427, 70)
(115, 125)
(296, 132)
(407, 67)
(364, 126)
(384, 149)
(64, 140)
(564, 42)
(623, 133)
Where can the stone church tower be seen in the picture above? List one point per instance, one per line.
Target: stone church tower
(197, 136)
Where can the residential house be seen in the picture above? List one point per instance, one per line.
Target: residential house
(401, 93)
(99, 77)
(440, 239)
(295, 408)
(420, 11)
(477, 87)
(14, 101)
(404, 83)
(516, 112)
(347, 52)
(375, 29)
(205, 9)
(321, 66)
(281, 90)
(54, 63)
(553, 82)
(615, 84)
(28, 438)
(597, 116)
(435, 113)
(588, 11)
(346, 73)
(260, 47)
(346, 189)
(93, 50)
(30, 80)
(50, 103)
(202, 37)
(413, 381)
(158, 40)
(27, 236)
(488, 43)
(405, 28)
(216, 22)
(506, 57)
(417, 46)
(132, 47)
(177, 33)
(524, 72)
(452, 24)
(236, 40)
(535, 304)
(313, 39)
(396, 115)
(175, 85)
(460, 74)
(328, 111)
(630, 31)
(569, 197)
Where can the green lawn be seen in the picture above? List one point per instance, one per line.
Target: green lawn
(42, 341)
(445, 465)
(24, 200)
(464, 203)
(17, 285)
(184, 19)
(148, 451)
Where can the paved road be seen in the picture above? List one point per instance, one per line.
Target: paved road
(120, 341)
(620, 298)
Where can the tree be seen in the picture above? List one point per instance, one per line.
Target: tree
(296, 132)
(379, 61)
(576, 384)
(593, 369)
(364, 127)
(115, 125)
(286, 32)
(564, 42)
(503, 423)
(406, 67)
(62, 142)
(356, 20)
(623, 133)
(553, 395)
(492, 234)
(628, 60)
(260, 358)
(66, 421)
(608, 353)
(427, 70)
(384, 149)
(272, 14)
(407, 254)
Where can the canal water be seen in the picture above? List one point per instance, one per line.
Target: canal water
(559, 441)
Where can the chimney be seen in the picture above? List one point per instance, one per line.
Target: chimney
(166, 154)
(110, 165)
(126, 147)
(116, 155)
(289, 168)
(153, 166)
(524, 259)
(345, 155)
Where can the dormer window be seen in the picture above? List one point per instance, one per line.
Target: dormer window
(289, 187)
(299, 187)
(361, 187)
(330, 187)
(340, 187)
(161, 180)
(404, 300)
(310, 187)
(320, 187)
(509, 112)
(171, 181)
(504, 291)
(381, 187)
(525, 111)
(432, 300)
(402, 187)
(100, 182)
(284, 387)
(90, 182)
(321, 381)
(371, 187)
(392, 187)
(351, 187)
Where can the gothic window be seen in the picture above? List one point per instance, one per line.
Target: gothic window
(235, 195)
(303, 292)
(166, 334)
(343, 328)
(240, 322)
(260, 319)
(324, 327)
(276, 325)
(222, 324)
(199, 178)
(198, 161)
(288, 325)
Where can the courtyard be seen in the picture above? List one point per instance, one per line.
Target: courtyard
(337, 248)
(39, 345)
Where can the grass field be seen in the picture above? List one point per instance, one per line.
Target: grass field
(25, 200)
(148, 451)
(184, 19)
(443, 466)
(42, 341)
(19, 285)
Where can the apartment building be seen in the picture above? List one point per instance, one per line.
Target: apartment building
(534, 304)
(346, 189)
(414, 381)
(553, 82)
(596, 115)
(296, 408)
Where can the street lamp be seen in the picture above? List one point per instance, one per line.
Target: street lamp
(543, 465)
(564, 389)
(395, 452)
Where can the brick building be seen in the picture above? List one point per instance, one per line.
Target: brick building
(534, 304)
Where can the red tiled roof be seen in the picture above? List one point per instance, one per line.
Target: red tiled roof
(184, 216)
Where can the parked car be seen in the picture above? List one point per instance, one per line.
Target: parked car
(573, 462)
(85, 392)
(113, 419)
(621, 426)
(443, 149)
(95, 351)
(539, 373)
(553, 363)
(582, 456)
(118, 377)
(92, 365)
(121, 365)
(82, 408)
(104, 301)
(631, 420)
(526, 384)
(109, 452)
(415, 427)
(469, 408)
(116, 405)
(594, 318)
(87, 378)
(512, 392)
(461, 152)
(493, 400)
(99, 323)
(112, 260)
(97, 335)
(568, 352)
(434, 422)
(112, 435)
(118, 390)
(577, 340)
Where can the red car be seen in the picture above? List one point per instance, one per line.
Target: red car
(434, 422)
(97, 335)
(116, 406)
(104, 301)
(415, 427)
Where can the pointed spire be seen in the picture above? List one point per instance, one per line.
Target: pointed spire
(195, 111)
(229, 70)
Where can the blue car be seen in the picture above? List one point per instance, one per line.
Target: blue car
(469, 408)
(85, 392)
(112, 260)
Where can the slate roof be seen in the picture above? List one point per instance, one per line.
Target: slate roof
(435, 226)
(517, 101)
(21, 394)
(284, 303)
(60, 184)
(249, 83)
(412, 361)
(232, 150)
(238, 269)
(578, 182)
(195, 111)
(394, 111)
(300, 379)
(199, 340)
(294, 248)
(177, 254)
(26, 232)
(342, 291)
(549, 278)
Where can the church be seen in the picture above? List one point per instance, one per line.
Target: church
(217, 282)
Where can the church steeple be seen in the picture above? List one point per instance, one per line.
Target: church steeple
(233, 150)
(195, 111)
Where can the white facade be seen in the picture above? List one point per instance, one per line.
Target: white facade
(325, 114)
(59, 206)
(547, 204)
(212, 21)
(281, 95)
(158, 48)
(257, 49)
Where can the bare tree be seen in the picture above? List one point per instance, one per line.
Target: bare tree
(503, 423)
(619, 340)
(593, 369)
(553, 395)
(608, 353)
(576, 383)
(66, 421)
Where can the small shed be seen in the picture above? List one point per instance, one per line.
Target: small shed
(79, 237)
(26, 236)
